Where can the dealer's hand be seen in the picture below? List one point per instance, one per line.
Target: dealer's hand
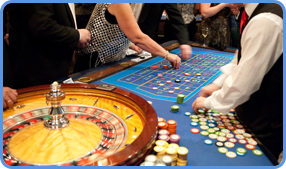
(198, 104)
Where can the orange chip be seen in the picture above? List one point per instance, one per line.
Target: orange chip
(171, 122)
(198, 74)
(165, 66)
(250, 146)
(195, 130)
(176, 88)
(160, 119)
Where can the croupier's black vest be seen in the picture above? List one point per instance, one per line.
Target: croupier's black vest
(263, 112)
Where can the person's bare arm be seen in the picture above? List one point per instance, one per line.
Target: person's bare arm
(208, 11)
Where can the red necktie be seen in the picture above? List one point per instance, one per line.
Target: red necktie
(244, 19)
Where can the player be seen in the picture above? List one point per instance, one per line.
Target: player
(253, 82)
(9, 97)
(121, 28)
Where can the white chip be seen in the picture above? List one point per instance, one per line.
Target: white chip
(171, 91)
(229, 144)
(230, 154)
(247, 135)
(155, 88)
(240, 137)
(221, 139)
(253, 142)
(240, 131)
(204, 127)
(225, 131)
(229, 135)
(187, 80)
(168, 81)
(225, 120)
(203, 119)
(213, 136)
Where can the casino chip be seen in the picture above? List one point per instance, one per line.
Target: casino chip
(187, 80)
(230, 154)
(242, 141)
(240, 154)
(151, 158)
(204, 127)
(171, 91)
(187, 113)
(175, 108)
(168, 81)
(229, 135)
(201, 111)
(222, 150)
(198, 74)
(195, 120)
(250, 146)
(159, 75)
(195, 130)
(229, 144)
(257, 152)
(240, 137)
(187, 74)
(176, 88)
(221, 139)
(203, 123)
(232, 140)
(213, 136)
(155, 88)
(194, 116)
(177, 80)
(208, 142)
(253, 142)
(204, 133)
(195, 124)
(219, 144)
(241, 150)
(161, 84)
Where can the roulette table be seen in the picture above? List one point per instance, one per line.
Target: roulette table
(114, 98)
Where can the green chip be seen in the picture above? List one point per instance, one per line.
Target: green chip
(175, 108)
(201, 111)
(210, 130)
(257, 152)
(195, 120)
(180, 98)
(194, 116)
(241, 150)
(222, 150)
(204, 133)
(217, 133)
(203, 123)
(222, 134)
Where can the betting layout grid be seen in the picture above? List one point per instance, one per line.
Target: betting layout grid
(152, 79)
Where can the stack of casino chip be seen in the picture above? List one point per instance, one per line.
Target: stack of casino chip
(172, 126)
(182, 156)
(160, 151)
(162, 123)
(162, 143)
(166, 159)
(173, 153)
(175, 138)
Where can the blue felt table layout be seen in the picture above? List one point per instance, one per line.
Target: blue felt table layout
(141, 78)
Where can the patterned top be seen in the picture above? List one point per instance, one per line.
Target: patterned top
(187, 11)
(107, 39)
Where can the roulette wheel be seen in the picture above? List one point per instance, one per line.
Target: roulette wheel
(78, 125)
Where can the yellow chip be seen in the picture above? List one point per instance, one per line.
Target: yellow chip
(161, 143)
(182, 151)
(174, 145)
(171, 151)
(159, 149)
